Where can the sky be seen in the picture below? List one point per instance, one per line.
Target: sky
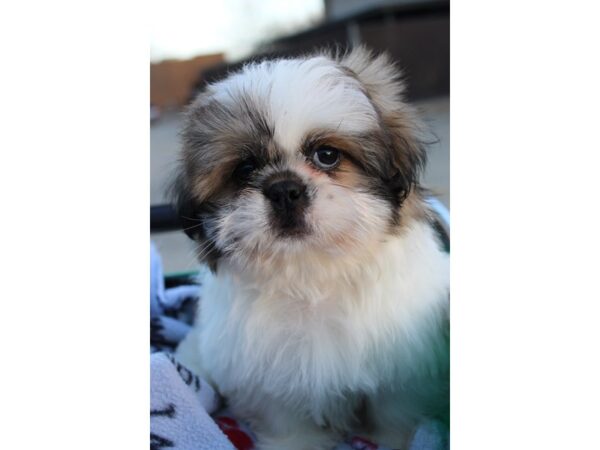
(185, 28)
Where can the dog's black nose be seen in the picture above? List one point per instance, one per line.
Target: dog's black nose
(289, 199)
(286, 194)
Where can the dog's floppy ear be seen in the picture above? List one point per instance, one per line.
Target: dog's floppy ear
(191, 215)
(186, 207)
(403, 133)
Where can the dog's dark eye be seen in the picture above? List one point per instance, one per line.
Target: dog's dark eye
(244, 169)
(326, 157)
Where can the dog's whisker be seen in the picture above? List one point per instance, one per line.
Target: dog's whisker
(204, 249)
(190, 218)
(192, 227)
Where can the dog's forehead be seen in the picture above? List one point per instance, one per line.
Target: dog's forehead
(299, 96)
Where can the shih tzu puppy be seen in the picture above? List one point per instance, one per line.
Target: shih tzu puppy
(326, 308)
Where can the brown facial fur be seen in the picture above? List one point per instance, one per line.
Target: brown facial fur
(217, 137)
(385, 162)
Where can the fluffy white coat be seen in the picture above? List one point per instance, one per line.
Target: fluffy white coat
(297, 348)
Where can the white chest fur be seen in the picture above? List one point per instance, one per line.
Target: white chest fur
(309, 334)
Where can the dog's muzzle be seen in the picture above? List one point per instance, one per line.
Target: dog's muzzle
(288, 198)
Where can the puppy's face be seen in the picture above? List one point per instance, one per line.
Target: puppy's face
(295, 156)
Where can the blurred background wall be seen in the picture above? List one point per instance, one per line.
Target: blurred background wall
(195, 42)
(173, 81)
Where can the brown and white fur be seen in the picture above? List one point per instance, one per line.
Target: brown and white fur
(326, 309)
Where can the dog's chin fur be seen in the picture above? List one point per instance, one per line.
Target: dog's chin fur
(342, 325)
